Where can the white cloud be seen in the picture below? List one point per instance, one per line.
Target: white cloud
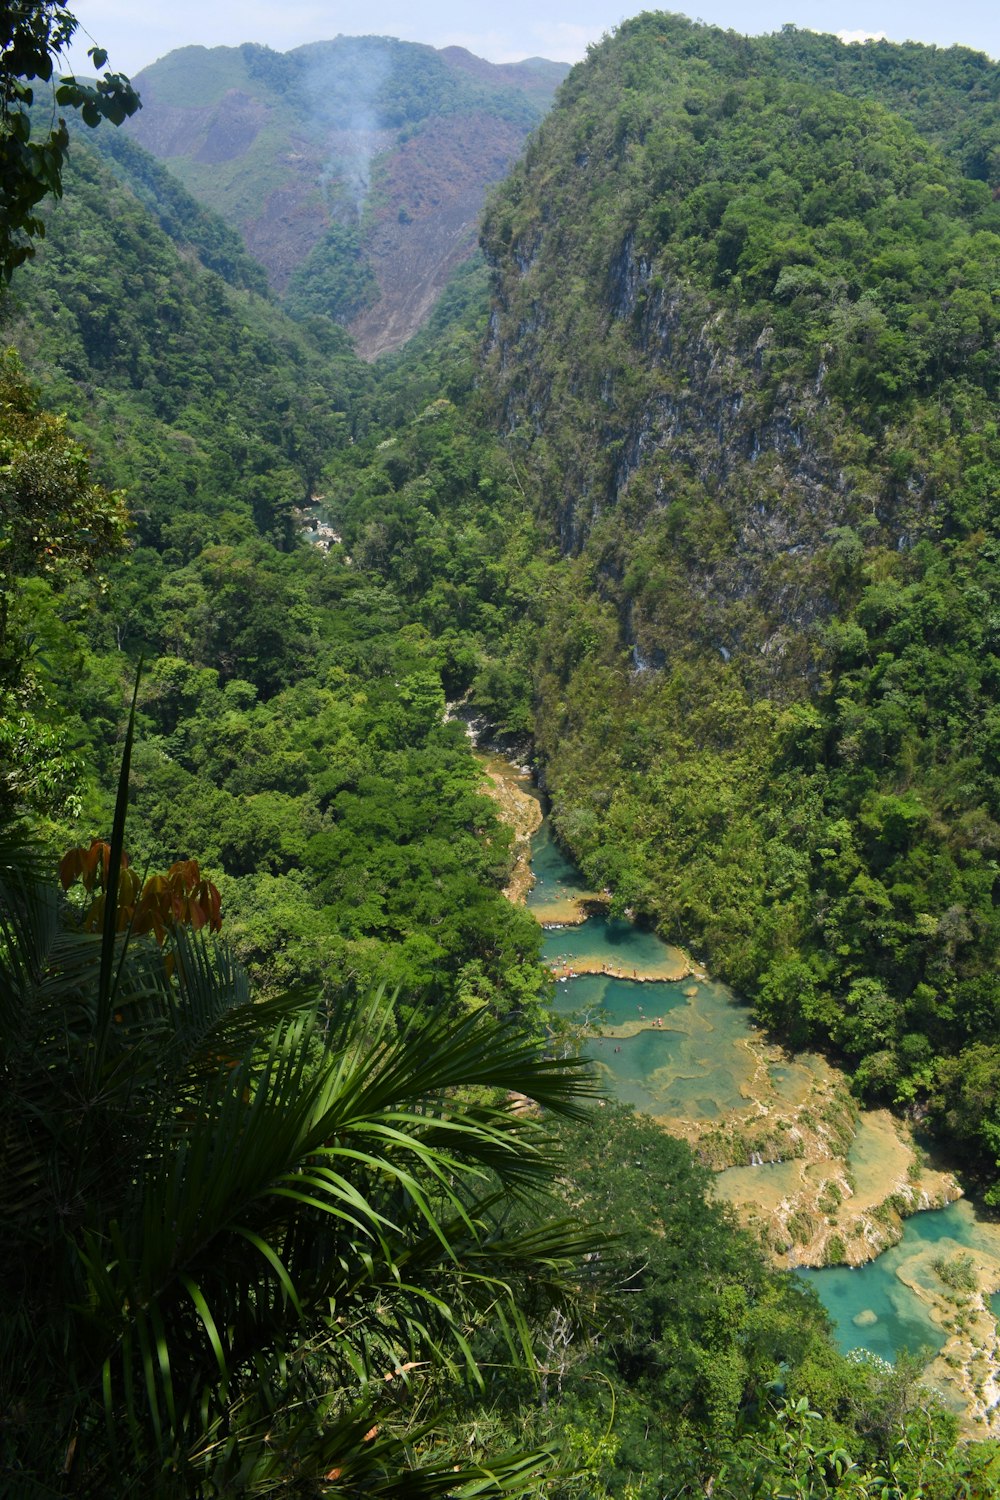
(861, 36)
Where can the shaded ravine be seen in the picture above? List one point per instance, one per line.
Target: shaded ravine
(824, 1184)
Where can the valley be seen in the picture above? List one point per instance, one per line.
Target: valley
(355, 170)
(369, 1134)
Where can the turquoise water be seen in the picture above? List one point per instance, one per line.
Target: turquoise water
(696, 1066)
(621, 999)
(853, 1296)
(958, 1223)
(669, 1072)
(621, 944)
(764, 1185)
(555, 878)
(903, 1321)
(900, 1322)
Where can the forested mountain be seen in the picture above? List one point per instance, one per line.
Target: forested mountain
(277, 686)
(152, 331)
(702, 502)
(354, 169)
(949, 94)
(289, 734)
(744, 350)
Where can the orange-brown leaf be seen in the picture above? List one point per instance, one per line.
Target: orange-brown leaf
(69, 867)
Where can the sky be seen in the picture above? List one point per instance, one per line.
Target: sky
(137, 32)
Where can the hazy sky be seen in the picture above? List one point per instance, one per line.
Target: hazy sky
(135, 32)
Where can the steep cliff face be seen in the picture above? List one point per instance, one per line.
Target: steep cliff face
(699, 292)
(724, 484)
(355, 170)
(744, 354)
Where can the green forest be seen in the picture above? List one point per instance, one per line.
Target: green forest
(687, 489)
(761, 378)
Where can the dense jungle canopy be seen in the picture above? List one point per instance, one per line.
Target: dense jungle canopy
(689, 487)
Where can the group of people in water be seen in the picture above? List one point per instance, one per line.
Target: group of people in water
(656, 1022)
(563, 969)
(570, 973)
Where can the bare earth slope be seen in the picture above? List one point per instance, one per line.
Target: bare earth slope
(355, 170)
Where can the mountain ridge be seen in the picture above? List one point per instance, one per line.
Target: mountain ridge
(354, 169)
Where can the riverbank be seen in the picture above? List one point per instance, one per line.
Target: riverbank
(572, 966)
(956, 1284)
(520, 808)
(821, 1182)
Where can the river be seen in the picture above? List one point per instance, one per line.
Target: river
(818, 1179)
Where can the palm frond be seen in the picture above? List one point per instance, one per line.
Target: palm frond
(220, 1182)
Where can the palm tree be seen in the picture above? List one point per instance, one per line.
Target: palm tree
(247, 1248)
